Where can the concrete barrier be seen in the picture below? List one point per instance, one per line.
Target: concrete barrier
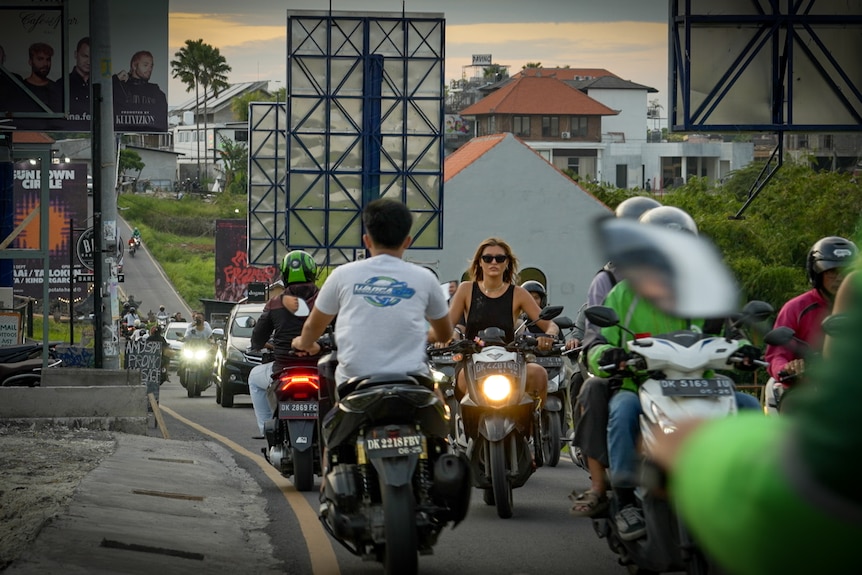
(117, 407)
(85, 377)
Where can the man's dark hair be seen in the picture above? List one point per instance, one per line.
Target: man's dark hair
(40, 48)
(388, 222)
(81, 42)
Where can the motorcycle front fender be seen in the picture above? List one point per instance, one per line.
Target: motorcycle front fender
(496, 427)
(553, 403)
(396, 471)
(301, 433)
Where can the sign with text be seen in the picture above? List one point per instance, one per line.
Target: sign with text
(10, 329)
(147, 356)
(482, 59)
(68, 200)
(39, 62)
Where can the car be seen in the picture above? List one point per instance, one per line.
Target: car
(173, 334)
(232, 364)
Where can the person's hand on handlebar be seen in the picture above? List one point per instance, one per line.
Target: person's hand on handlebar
(544, 342)
(304, 349)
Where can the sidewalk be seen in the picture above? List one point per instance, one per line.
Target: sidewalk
(158, 506)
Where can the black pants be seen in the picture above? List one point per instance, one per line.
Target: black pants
(591, 419)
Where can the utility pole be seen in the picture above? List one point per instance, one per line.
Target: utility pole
(107, 350)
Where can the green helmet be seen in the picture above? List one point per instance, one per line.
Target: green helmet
(298, 267)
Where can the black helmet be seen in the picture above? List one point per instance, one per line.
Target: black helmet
(826, 254)
(298, 267)
(533, 286)
(669, 217)
(633, 208)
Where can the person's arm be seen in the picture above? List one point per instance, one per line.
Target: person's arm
(313, 328)
(458, 308)
(441, 329)
(776, 355)
(262, 328)
(528, 305)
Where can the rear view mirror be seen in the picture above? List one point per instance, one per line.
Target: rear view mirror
(550, 312)
(564, 322)
(602, 316)
(780, 336)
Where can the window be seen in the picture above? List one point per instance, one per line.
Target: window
(573, 164)
(826, 141)
(550, 126)
(521, 125)
(579, 126)
(240, 135)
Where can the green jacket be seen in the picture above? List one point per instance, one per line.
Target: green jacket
(782, 494)
(639, 316)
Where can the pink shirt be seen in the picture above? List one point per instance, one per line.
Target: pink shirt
(803, 314)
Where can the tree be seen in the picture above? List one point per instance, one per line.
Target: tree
(199, 65)
(531, 65)
(234, 156)
(128, 160)
(495, 72)
(239, 105)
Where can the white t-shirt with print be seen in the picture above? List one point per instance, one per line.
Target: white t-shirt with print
(381, 304)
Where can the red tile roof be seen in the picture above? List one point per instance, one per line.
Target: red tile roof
(533, 95)
(566, 73)
(469, 153)
(31, 138)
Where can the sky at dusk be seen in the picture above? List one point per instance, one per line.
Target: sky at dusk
(627, 37)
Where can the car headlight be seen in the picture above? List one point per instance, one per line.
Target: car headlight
(496, 387)
(234, 354)
(666, 424)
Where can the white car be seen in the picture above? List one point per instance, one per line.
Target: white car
(173, 333)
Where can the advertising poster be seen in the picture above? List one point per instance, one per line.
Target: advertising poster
(233, 273)
(34, 65)
(68, 199)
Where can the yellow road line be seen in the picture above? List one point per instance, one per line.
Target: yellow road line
(323, 561)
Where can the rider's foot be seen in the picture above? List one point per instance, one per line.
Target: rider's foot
(630, 523)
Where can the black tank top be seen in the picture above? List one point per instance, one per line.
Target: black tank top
(491, 312)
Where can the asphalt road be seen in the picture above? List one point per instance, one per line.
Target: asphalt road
(541, 537)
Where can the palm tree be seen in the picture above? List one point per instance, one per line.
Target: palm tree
(199, 65)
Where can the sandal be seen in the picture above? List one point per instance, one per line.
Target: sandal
(588, 503)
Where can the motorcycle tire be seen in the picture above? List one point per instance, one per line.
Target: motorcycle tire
(191, 383)
(303, 469)
(551, 440)
(501, 486)
(400, 554)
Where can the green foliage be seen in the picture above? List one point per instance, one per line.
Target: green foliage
(766, 250)
(130, 160)
(239, 105)
(235, 158)
(59, 331)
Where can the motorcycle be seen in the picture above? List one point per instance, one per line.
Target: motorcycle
(134, 244)
(443, 373)
(21, 365)
(390, 484)
(196, 366)
(677, 388)
(502, 423)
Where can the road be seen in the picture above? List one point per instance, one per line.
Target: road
(541, 537)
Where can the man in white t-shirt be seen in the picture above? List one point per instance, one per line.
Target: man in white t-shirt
(382, 303)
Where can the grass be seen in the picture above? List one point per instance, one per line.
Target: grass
(180, 234)
(59, 331)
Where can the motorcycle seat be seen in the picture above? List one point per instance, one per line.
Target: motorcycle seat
(10, 369)
(365, 382)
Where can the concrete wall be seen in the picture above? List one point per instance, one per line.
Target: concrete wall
(92, 398)
(632, 119)
(513, 193)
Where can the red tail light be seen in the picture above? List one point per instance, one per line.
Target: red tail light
(299, 386)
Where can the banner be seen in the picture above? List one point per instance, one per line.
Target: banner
(147, 356)
(34, 64)
(68, 199)
(233, 274)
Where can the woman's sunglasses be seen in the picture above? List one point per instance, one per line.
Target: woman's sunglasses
(498, 258)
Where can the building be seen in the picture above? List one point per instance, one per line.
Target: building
(496, 185)
(190, 136)
(594, 123)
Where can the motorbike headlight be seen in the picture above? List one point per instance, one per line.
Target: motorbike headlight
(496, 387)
(438, 375)
(188, 353)
(665, 423)
(200, 354)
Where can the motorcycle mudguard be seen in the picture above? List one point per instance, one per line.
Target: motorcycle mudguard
(396, 471)
(553, 403)
(496, 427)
(301, 432)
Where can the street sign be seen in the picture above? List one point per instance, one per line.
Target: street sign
(86, 247)
(89, 278)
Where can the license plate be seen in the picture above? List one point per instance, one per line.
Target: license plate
(696, 387)
(297, 409)
(551, 361)
(482, 368)
(394, 446)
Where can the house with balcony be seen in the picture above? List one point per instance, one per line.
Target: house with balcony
(186, 125)
(594, 123)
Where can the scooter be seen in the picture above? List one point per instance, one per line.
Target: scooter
(196, 366)
(677, 388)
(21, 365)
(502, 423)
(390, 484)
